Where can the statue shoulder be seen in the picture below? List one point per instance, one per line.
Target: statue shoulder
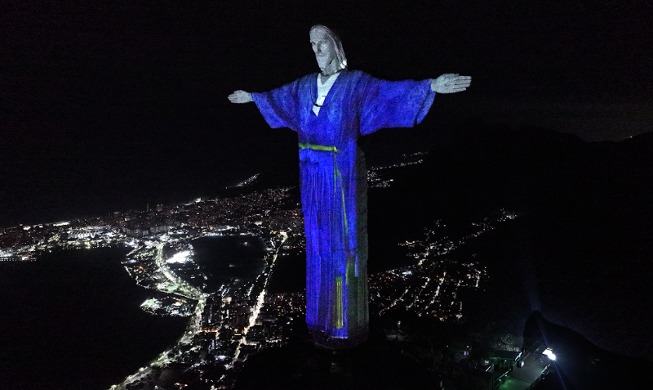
(358, 78)
(356, 73)
(308, 77)
(354, 76)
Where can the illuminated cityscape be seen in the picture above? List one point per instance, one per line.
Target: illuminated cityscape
(513, 253)
(230, 322)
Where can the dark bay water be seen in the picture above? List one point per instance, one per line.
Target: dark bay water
(225, 258)
(71, 320)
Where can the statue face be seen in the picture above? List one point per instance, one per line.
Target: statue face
(323, 47)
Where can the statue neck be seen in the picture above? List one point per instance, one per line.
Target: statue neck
(330, 68)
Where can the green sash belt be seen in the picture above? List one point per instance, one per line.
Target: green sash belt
(320, 148)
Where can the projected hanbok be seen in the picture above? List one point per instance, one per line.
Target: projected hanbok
(329, 111)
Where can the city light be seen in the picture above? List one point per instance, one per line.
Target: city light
(179, 258)
(241, 316)
(549, 353)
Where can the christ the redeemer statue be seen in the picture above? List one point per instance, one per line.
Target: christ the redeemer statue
(329, 111)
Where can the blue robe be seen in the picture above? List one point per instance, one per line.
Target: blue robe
(333, 186)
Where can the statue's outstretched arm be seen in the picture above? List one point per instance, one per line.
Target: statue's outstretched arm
(450, 83)
(240, 96)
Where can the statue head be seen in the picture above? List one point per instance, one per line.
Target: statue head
(328, 50)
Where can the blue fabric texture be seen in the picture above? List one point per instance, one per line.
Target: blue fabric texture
(333, 183)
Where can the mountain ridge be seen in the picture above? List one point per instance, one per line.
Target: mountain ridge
(580, 249)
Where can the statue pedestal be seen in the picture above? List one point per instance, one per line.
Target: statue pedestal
(377, 363)
(334, 343)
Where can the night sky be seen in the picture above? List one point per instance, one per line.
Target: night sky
(119, 87)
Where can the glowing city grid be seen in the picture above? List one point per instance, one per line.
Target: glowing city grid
(242, 317)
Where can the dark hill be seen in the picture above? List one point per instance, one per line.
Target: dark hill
(580, 250)
(580, 364)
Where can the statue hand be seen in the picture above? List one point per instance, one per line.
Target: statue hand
(450, 83)
(240, 96)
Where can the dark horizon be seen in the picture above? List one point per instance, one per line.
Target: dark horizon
(85, 184)
(90, 87)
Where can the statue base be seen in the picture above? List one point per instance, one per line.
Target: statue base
(322, 340)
